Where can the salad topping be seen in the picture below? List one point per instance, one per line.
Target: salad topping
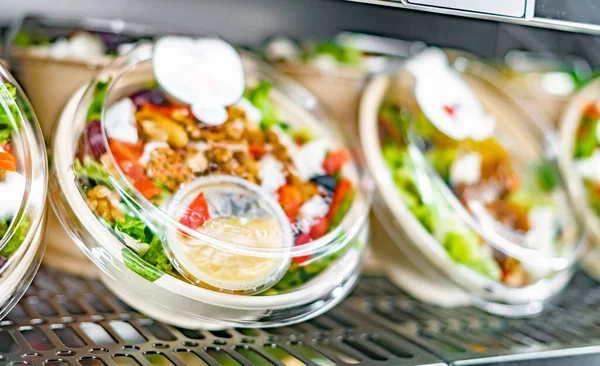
(279, 185)
(587, 153)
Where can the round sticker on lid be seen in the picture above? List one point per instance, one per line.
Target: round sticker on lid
(206, 73)
(446, 99)
(235, 211)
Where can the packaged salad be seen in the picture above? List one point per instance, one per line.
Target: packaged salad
(207, 190)
(335, 70)
(55, 56)
(580, 159)
(23, 180)
(472, 180)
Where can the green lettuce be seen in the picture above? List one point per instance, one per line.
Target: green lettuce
(92, 170)
(95, 110)
(18, 237)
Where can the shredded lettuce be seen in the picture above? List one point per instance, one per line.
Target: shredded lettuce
(587, 142)
(442, 159)
(157, 257)
(8, 117)
(92, 170)
(547, 175)
(342, 54)
(95, 110)
(259, 97)
(18, 237)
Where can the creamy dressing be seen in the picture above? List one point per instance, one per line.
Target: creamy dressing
(148, 148)
(216, 267)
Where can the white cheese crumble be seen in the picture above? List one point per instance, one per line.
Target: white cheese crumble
(309, 158)
(466, 169)
(282, 49)
(120, 121)
(252, 113)
(148, 148)
(135, 245)
(314, 208)
(83, 44)
(589, 168)
(11, 191)
(271, 174)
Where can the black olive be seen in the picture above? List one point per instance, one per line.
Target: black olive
(326, 181)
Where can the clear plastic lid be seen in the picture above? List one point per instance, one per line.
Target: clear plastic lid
(492, 161)
(199, 161)
(23, 173)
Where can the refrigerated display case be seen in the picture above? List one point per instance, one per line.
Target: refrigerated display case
(544, 49)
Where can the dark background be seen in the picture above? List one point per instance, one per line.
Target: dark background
(250, 21)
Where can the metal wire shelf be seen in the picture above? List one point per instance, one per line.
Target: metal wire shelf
(66, 320)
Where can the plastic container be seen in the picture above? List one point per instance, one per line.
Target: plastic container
(23, 180)
(580, 148)
(51, 74)
(237, 254)
(502, 269)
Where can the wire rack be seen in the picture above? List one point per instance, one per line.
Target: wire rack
(67, 320)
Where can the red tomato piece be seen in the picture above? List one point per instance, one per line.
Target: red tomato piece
(8, 161)
(319, 228)
(133, 169)
(290, 199)
(168, 111)
(197, 213)
(257, 151)
(301, 240)
(335, 160)
(123, 151)
(146, 187)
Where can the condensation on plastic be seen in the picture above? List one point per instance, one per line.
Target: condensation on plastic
(26, 228)
(173, 299)
(424, 248)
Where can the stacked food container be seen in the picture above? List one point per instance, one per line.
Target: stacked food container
(468, 186)
(23, 180)
(203, 209)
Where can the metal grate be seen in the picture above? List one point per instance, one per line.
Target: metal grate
(66, 320)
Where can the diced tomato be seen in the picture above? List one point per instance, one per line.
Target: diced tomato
(6, 147)
(290, 199)
(8, 161)
(197, 213)
(146, 187)
(168, 111)
(335, 160)
(512, 181)
(257, 151)
(319, 228)
(301, 240)
(591, 111)
(344, 187)
(123, 151)
(133, 169)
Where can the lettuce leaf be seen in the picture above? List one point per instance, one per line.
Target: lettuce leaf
(95, 110)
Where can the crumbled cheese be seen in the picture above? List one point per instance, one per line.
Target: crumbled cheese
(252, 113)
(11, 191)
(314, 208)
(271, 174)
(309, 158)
(135, 245)
(324, 62)
(82, 44)
(124, 48)
(148, 148)
(120, 121)
(466, 169)
(282, 49)
(589, 168)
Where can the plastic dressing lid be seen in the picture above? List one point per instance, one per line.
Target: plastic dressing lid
(238, 185)
(492, 161)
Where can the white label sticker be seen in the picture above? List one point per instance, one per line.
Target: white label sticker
(447, 100)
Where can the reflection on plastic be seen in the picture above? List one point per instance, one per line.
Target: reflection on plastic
(96, 333)
(126, 331)
(282, 355)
